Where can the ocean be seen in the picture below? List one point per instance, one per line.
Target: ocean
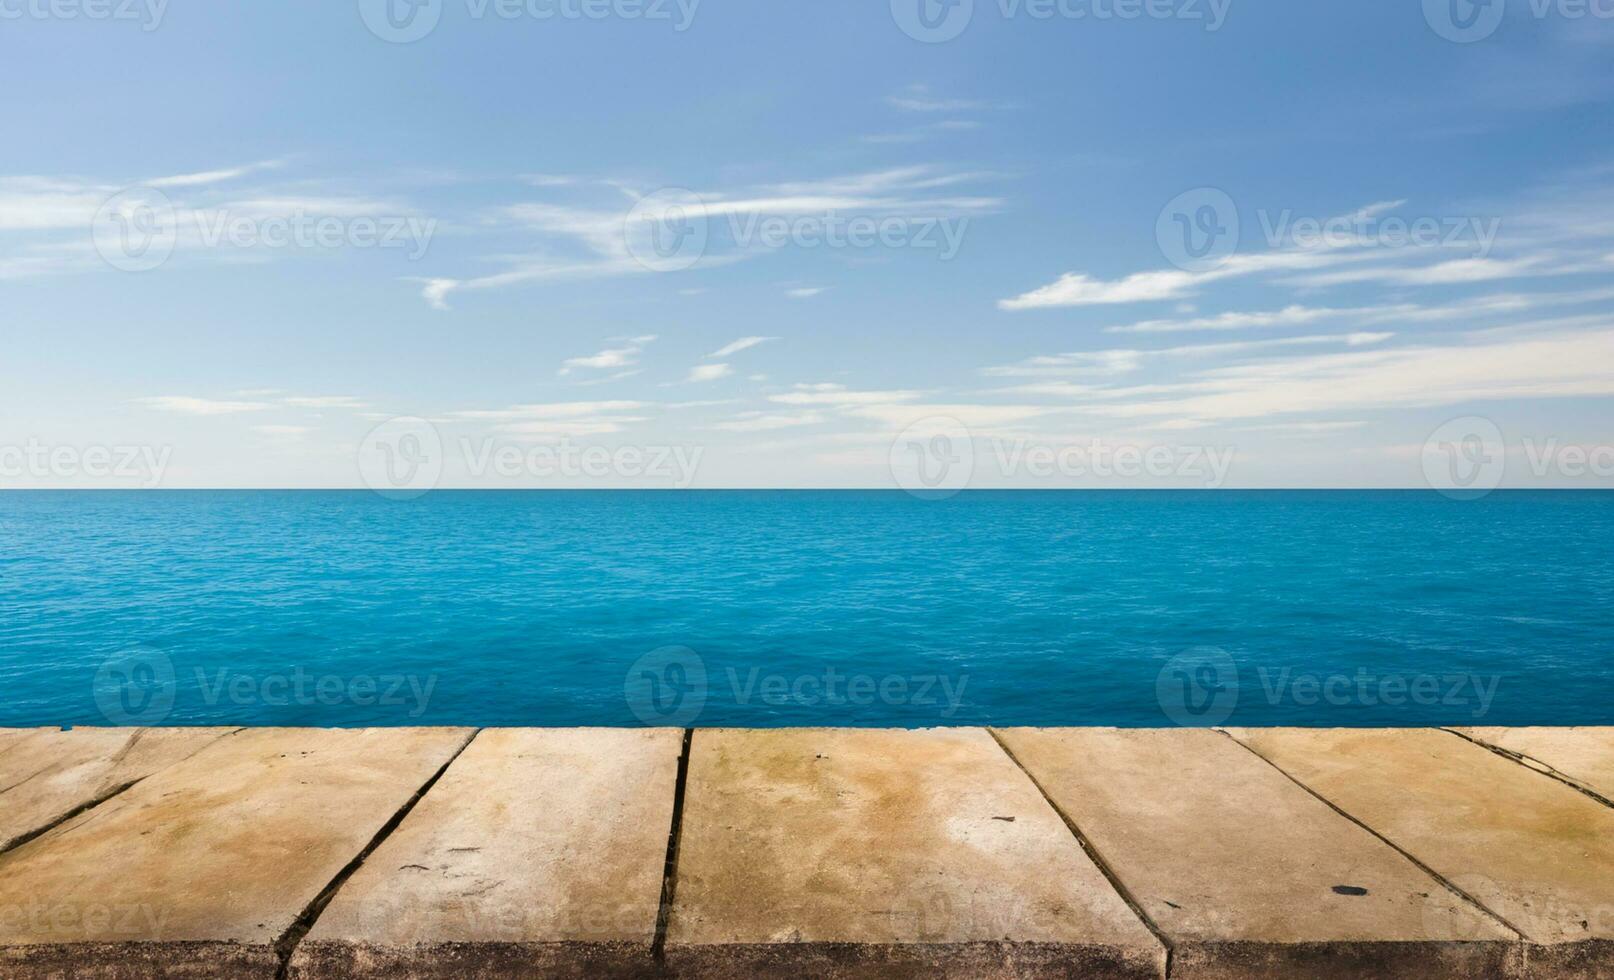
(764, 608)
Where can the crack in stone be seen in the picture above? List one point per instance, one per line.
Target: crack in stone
(1535, 765)
(286, 945)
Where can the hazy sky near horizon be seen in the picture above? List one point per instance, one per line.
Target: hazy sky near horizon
(743, 244)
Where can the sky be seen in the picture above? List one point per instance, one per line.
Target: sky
(411, 244)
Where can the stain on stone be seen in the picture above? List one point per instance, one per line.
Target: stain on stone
(1349, 890)
(1004, 819)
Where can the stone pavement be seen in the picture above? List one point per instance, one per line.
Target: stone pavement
(963, 852)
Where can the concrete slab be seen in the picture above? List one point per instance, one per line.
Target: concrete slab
(841, 853)
(50, 774)
(200, 868)
(541, 852)
(1583, 757)
(1536, 852)
(1247, 874)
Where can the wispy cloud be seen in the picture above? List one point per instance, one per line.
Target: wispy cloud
(830, 393)
(205, 177)
(744, 343)
(612, 357)
(1482, 366)
(190, 405)
(1125, 361)
(583, 241)
(920, 98)
(325, 401)
(546, 419)
(769, 421)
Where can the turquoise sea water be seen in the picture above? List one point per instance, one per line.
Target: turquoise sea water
(834, 608)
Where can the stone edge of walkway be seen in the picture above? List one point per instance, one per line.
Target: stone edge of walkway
(138, 961)
(328, 960)
(965, 961)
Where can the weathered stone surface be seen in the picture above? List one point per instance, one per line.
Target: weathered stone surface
(540, 852)
(10, 737)
(884, 853)
(1534, 851)
(200, 868)
(1246, 873)
(50, 773)
(1582, 756)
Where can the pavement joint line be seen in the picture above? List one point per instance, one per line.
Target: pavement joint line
(1535, 765)
(55, 822)
(1426, 869)
(91, 804)
(1093, 855)
(669, 875)
(287, 944)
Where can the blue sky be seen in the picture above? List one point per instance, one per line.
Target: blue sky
(992, 238)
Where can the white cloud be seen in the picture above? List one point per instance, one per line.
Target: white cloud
(188, 405)
(805, 292)
(559, 418)
(1080, 289)
(918, 98)
(582, 242)
(325, 401)
(550, 410)
(1293, 315)
(767, 422)
(838, 395)
(1439, 273)
(1486, 366)
(1123, 361)
(612, 357)
(709, 372)
(211, 176)
(282, 431)
(744, 343)
(44, 203)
